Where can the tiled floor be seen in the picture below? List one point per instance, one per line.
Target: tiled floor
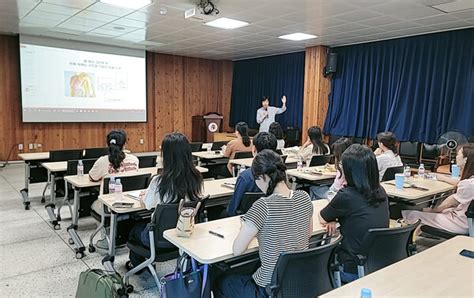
(36, 260)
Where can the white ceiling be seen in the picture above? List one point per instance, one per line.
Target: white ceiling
(336, 22)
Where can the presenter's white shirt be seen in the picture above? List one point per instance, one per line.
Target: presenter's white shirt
(266, 120)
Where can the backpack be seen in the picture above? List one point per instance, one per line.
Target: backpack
(100, 283)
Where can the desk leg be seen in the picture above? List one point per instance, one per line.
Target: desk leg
(199, 162)
(293, 183)
(24, 191)
(113, 230)
(72, 229)
(48, 184)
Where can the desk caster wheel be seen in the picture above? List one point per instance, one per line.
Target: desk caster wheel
(27, 206)
(43, 200)
(79, 254)
(57, 227)
(129, 289)
(91, 248)
(70, 241)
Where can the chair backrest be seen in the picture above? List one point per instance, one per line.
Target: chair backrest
(72, 166)
(65, 155)
(390, 173)
(148, 161)
(357, 140)
(430, 152)
(129, 183)
(385, 246)
(292, 136)
(240, 155)
(247, 201)
(333, 138)
(95, 152)
(319, 160)
(218, 145)
(304, 273)
(196, 146)
(409, 151)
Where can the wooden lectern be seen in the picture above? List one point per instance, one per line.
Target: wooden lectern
(204, 127)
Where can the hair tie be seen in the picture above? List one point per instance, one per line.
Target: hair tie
(113, 141)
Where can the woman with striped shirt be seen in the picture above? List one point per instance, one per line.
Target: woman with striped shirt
(268, 221)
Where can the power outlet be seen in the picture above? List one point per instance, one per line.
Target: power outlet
(142, 141)
(40, 145)
(30, 146)
(35, 146)
(20, 147)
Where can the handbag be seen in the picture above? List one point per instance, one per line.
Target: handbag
(100, 283)
(185, 225)
(185, 283)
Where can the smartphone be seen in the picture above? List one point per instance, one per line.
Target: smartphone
(467, 253)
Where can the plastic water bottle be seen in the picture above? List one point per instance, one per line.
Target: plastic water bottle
(407, 171)
(421, 171)
(80, 168)
(299, 165)
(112, 185)
(365, 293)
(118, 187)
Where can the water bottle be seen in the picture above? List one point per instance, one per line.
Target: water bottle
(299, 165)
(407, 171)
(80, 168)
(111, 185)
(365, 293)
(421, 171)
(204, 216)
(118, 187)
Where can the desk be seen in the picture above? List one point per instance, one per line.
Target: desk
(436, 272)
(213, 188)
(32, 161)
(312, 174)
(444, 169)
(207, 155)
(209, 249)
(415, 196)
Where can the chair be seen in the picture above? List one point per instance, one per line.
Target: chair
(303, 273)
(410, 153)
(430, 156)
(218, 145)
(292, 136)
(333, 139)
(373, 143)
(390, 173)
(319, 160)
(385, 246)
(95, 152)
(357, 140)
(148, 161)
(164, 217)
(196, 146)
(240, 155)
(247, 201)
(65, 155)
(440, 233)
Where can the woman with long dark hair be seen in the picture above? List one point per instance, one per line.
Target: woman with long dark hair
(450, 215)
(268, 220)
(314, 145)
(387, 153)
(179, 179)
(242, 143)
(277, 131)
(358, 207)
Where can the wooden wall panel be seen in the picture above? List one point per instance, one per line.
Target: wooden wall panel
(177, 87)
(316, 89)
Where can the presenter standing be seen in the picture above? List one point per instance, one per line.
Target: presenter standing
(266, 114)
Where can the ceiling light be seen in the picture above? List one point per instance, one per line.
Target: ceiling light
(132, 4)
(226, 23)
(297, 36)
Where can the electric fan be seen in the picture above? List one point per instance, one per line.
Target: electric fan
(451, 141)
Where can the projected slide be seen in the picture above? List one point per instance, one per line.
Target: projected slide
(64, 85)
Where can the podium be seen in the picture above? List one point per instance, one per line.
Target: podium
(204, 127)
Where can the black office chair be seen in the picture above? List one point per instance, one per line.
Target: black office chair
(303, 273)
(129, 183)
(333, 139)
(358, 140)
(218, 145)
(95, 152)
(196, 146)
(164, 217)
(240, 155)
(65, 155)
(247, 201)
(431, 156)
(410, 153)
(374, 144)
(320, 160)
(148, 161)
(440, 233)
(292, 136)
(390, 173)
(385, 246)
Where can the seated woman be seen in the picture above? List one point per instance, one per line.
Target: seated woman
(115, 163)
(241, 144)
(268, 220)
(461, 158)
(387, 153)
(450, 214)
(358, 207)
(314, 145)
(324, 191)
(179, 179)
(277, 131)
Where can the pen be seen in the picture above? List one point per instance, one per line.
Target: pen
(216, 234)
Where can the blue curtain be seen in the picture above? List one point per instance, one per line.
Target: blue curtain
(269, 76)
(417, 87)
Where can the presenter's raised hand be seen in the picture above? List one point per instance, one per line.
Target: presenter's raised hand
(283, 99)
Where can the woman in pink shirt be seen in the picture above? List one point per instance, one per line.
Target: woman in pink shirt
(450, 214)
(325, 192)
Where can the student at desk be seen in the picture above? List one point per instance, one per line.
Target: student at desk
(358, 207)
(115, 162)
(314, 145)
(243, 143)
(277, 131)
(245, 182)
(178, 179)
(268, 220)
(461, 158)
(387, 153)
(450, 214)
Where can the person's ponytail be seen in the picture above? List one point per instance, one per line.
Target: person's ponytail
(243, 130)
(116, 140)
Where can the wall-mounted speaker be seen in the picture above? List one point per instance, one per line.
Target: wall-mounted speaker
(331, 64)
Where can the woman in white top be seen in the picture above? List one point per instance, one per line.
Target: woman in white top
(314, 145)
(179, 179)
(387, 153)
(276, 130)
